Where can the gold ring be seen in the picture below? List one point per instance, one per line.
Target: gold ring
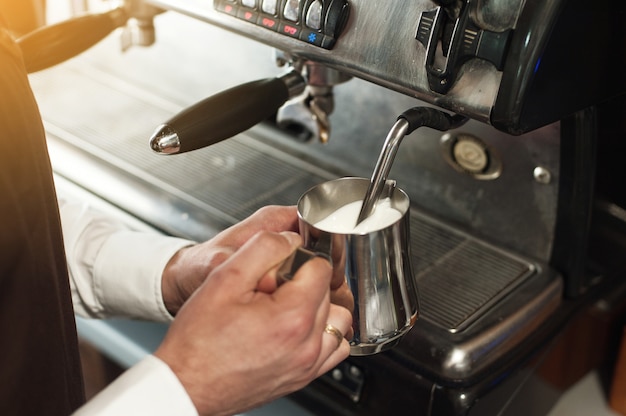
(335, 332)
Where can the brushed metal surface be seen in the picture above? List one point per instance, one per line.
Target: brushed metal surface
(379, 45)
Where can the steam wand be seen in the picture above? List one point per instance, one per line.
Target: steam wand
(407, 122)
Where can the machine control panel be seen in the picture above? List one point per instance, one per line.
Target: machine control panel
(317, 22)
(507, 63)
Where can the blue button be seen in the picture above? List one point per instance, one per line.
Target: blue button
(311, 36)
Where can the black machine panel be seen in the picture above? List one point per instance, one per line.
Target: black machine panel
(313, 21)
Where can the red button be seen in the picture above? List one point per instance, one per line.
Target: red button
(247, 15)
(290, 30)
(269, 23)
(226, 8)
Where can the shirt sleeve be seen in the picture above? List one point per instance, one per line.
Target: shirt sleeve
(114, 270)
(148, 388)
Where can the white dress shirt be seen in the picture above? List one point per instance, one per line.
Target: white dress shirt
(116, 271)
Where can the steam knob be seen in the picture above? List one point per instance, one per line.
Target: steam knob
(462, 39)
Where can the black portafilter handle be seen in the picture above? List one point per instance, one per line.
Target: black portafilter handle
(51, 45)
(225, 114)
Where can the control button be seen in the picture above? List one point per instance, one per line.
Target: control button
(268, 23)
(337, 374)
(317, 22)
(247, 15)
(289, 30)
(346, 379)
(270, 7)
(355, 371)
(292, 10)
(227, 8)
(312, 37)
(314, 15)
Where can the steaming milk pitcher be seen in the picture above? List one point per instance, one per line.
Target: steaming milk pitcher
(377, 262)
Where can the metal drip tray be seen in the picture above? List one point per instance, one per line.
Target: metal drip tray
(458, 277)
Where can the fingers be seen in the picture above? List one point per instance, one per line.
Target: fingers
(259, 256)
(275, 218)
(310, 284)
(310, 289)
(335, 345)
(269, 218)
(332, 322)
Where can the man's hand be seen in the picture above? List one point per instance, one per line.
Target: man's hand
(235, 347)
(190, 266)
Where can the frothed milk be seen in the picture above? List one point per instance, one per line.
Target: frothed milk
(344, 219)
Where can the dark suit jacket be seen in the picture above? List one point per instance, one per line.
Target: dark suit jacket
(39, 362)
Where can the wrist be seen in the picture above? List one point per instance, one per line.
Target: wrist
(186, 271)
(170, 291)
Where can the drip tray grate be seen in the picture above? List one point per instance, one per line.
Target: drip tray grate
(459, 277)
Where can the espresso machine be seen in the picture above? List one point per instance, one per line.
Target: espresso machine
(518, 214)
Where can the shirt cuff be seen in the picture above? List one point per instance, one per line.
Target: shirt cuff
(128, 272)
(148, 388)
